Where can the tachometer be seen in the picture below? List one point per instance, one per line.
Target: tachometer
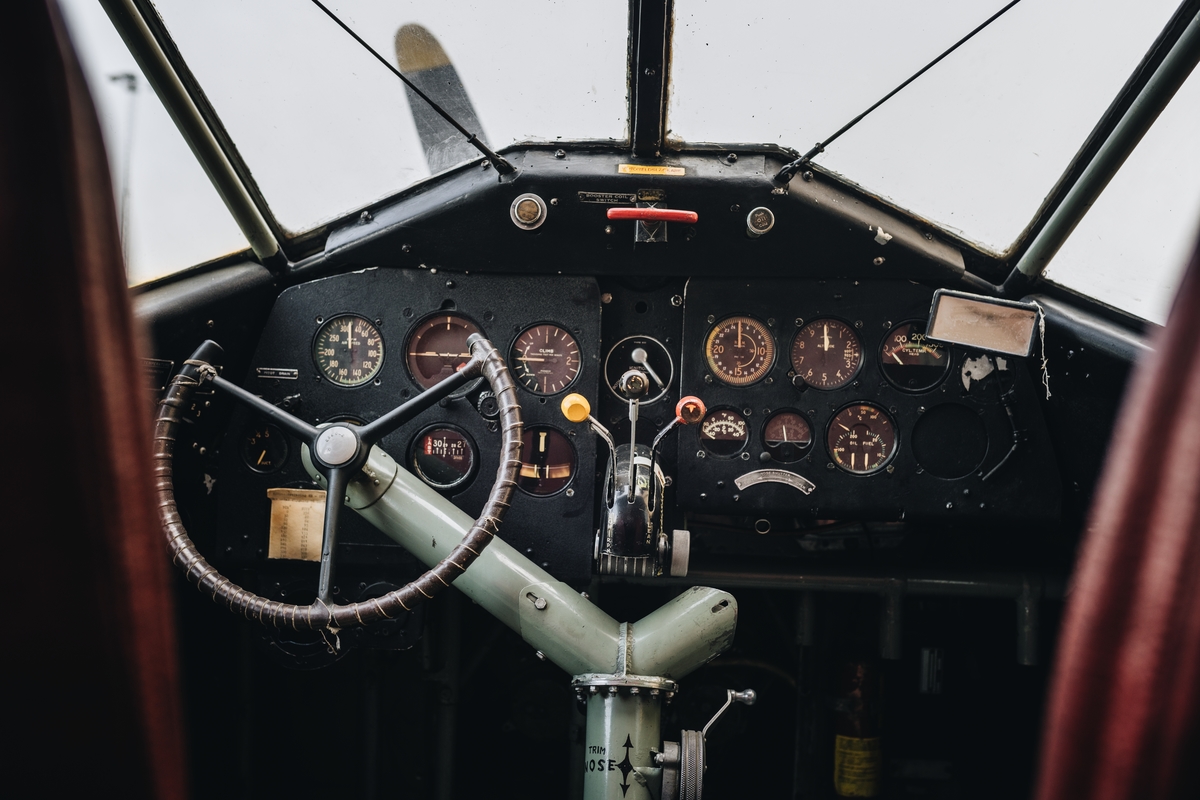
(438, 348)
(348, 350)
(861, 438)
(545, 359)
(740, 351)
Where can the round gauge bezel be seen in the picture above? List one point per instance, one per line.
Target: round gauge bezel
(771, 357)
(802, 452)
(325, 323)
(890, 456)
(470, 474)
(862, 352)
(883, 364)
(526, 329)
(412, 332)
(574, 460)
(745, 442)
(254, 428)
(662, 392)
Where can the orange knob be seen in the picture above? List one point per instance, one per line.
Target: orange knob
(690, 410)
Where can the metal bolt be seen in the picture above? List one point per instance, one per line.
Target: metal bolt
(211, 323)
(484, 164)
(449, 284)
(406, 248)
(650, 71)
(807, 176)
(708, 379)
(949, 506)
(731, 157)
(891, 468)
(364, 217)
(541, 656)
(799, 322)
(829, 466)
(711, 319)
(858, 324)
(606, 298)
(570, 492)
(676, 300)
(877, 261)
(608, 228)
(560, 153)
(553, 201)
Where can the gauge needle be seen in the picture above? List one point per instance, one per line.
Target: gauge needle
(739, 344)
(826, 337)
(898, 361)
(530, 358)
(642, 359)
(843, 427)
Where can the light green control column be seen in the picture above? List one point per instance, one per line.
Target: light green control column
(625, 670)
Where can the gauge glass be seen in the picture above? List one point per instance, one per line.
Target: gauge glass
(547, 461)
(787, 436)
(437, 348)
(826, 353)
(545, 359)
(724, 432)
(264, 448)
(348, 350)
(645, 353)
(740, 351)
(910, 361)
(861, 438)
(443, 457)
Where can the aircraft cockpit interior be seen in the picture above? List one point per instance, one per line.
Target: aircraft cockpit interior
(561, 422)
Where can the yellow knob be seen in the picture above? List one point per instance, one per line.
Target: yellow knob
(576, 408)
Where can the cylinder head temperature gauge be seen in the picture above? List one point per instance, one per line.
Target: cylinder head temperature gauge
(861, 438)
(739, 351)
(911, 362)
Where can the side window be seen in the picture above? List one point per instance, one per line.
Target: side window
(170, 215)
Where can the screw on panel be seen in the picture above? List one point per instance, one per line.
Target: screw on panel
(406, 248)
(676, 300)
(606, 298)
(806, 176)
(560, 153)
(877, 261)
(365, 217)
(799, 322)
(608, 228)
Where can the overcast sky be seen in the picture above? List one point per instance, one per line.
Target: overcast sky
(973, 145)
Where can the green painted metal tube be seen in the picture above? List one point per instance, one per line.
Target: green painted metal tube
(683, 634)
(1155, 95)
(549, 614)
(622, 729)
(150, 58)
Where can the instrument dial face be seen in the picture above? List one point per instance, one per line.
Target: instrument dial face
(861, 438)
(438, 348)
(787, 436)
(547, 461)
(911, 362)
(826, 353)
(740, 351)
(443, 457)
(348, 350)
(645, 353)
(724, 432)
(545, 359)
(264, 448)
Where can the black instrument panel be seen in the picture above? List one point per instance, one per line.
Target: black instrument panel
(832, 405)
(318, 355)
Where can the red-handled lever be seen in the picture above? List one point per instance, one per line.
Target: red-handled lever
(653, 214)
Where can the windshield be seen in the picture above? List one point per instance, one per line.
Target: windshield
(326, 129)
(974, 145)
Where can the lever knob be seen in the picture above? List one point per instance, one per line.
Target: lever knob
(690, 410)
(576, 407)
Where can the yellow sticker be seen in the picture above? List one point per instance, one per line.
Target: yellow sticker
(857, 766)
(297, 520)
(643, 169)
